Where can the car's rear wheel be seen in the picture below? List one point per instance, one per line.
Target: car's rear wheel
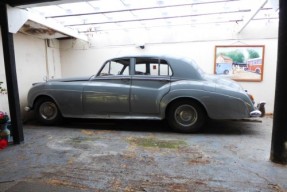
(186, 116)
(47, 111)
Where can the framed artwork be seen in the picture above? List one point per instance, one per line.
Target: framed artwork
(240, 62)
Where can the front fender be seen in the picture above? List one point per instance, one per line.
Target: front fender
(32, 99)
(35, 91)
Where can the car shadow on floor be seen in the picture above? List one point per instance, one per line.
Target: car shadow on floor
(212, 127)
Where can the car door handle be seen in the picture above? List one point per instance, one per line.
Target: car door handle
(125, 79)
(165, 80)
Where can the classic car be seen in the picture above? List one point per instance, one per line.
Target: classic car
(144, 87)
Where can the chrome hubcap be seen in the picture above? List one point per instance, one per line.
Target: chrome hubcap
(48, 110)
(186, 115)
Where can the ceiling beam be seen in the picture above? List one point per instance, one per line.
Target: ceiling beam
(251, 15)
(56, 26)
(159, 18)
(142, 8)
(34, 3)
(154, 26)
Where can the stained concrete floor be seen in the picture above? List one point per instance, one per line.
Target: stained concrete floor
(83, 155)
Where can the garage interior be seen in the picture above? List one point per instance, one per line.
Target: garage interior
(54, 39)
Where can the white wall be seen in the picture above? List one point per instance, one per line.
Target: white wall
(80, 59)
(33, 60)
(3, 97)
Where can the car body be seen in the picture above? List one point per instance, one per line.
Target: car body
(144, 87)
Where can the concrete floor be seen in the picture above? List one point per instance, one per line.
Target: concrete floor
(102, 155)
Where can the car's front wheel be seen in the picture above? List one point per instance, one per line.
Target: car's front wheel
(186, 116)
(47, 111)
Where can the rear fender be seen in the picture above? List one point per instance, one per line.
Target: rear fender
(217, 106)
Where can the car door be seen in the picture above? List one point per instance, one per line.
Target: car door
(150, 82)
(108, 93)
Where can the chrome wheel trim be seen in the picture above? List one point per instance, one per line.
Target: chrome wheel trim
(48, 110)
(185, 115)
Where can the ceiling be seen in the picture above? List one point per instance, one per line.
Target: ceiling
(106, 15)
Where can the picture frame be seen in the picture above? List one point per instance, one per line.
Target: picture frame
(240, 62)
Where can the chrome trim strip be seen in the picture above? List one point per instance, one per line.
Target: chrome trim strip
(148, 78)
(125, 117)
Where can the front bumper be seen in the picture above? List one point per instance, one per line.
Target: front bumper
(260, 111)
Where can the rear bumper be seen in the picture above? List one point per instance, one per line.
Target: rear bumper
(260, 111)
(27, 108)
(255, 113)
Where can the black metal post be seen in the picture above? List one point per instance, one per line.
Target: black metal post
(11, 77)
(279, 134)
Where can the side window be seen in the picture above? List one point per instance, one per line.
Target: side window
(116, 67)
(154, 69)
(140, 69)
(160, 69)
(150, 66)
(105, 70)
(164, 69)
(126, 70)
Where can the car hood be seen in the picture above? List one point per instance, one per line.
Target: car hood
(225, 83)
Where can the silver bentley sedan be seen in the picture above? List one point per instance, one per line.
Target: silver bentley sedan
(144, 87)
